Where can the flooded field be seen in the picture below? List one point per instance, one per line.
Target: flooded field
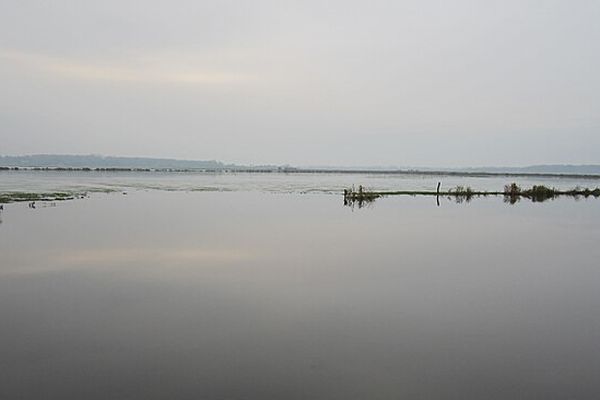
(250, 292)
(332, 183)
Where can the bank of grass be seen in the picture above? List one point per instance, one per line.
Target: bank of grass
(512, 193)
(14, 197)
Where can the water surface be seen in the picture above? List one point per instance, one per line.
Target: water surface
(331, 183)
(251, 295)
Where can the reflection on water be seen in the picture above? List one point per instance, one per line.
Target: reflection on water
(259, 296)
(466, 198)
(359, 202)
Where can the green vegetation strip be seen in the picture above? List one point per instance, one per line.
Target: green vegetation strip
(12, 197)
(512, 192)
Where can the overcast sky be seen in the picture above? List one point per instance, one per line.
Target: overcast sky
(404, 83)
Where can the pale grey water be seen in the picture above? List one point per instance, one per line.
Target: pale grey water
(47, 181)
(253, 295)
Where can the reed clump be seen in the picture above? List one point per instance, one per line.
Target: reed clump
(541, 193)
(360, 197)
(462, 193)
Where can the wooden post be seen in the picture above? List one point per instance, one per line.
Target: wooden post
(438, 188)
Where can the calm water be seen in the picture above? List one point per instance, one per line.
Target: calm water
(253, 295)
(42, 181)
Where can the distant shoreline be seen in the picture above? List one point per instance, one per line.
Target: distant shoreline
(290, 170)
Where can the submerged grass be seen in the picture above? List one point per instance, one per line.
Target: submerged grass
(13, 197)
(512, 193)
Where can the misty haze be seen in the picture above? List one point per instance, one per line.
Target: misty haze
(299, 200)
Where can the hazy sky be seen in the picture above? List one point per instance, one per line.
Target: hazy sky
(406, 83)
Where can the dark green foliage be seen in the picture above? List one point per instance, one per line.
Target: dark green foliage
(512, 190)
(541, 193)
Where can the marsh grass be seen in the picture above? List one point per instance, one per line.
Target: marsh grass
(13, 197)
(360, 197)
(512, 193)
(540, 193)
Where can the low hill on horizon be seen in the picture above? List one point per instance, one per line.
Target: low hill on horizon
(97, 161)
